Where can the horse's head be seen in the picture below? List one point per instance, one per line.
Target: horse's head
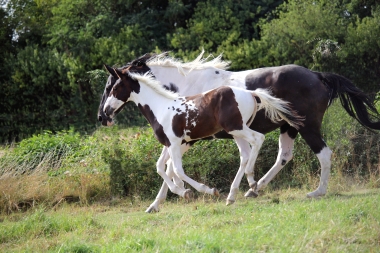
(120, 93)
(102, 117)
(136, 66)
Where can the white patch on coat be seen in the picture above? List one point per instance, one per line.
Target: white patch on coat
(243, 99)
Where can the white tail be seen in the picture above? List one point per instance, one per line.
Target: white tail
(277, 109)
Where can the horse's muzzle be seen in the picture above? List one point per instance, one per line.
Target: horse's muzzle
(106, 121)
(108, 111)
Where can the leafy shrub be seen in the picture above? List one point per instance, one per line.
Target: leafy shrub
(132, 164)
(44, 143)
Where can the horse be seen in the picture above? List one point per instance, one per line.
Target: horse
(175, 119)
(309, 92)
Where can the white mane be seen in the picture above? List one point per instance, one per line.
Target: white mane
(198, 63)
(149, 80)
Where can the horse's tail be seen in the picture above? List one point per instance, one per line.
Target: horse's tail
(357, 104)
(277, 109)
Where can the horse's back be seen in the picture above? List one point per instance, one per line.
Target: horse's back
(295, 84)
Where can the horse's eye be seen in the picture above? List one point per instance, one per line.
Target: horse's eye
(139, 64)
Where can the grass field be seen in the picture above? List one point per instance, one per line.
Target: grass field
(278, 221)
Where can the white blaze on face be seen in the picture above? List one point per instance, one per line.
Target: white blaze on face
(114, 103)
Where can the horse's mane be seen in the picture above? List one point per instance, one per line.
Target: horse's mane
(198, 64)
(153, 83)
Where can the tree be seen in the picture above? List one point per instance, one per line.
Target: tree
(216, 21)
(359, 56)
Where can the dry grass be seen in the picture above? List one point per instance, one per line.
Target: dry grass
(21, 192)
(25, 191)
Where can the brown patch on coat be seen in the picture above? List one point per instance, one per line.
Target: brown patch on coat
(217, 110)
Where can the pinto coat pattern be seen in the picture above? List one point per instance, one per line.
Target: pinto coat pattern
(175, 119)
(309, 92)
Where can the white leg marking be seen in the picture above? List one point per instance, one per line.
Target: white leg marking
(324, 158)
(161, 196)
(244, 150)
(285, 154)
(184, 148)
(176, 157)
(161, 171)
(256, 140)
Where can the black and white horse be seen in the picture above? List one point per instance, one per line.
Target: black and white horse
(175, 119)
(309, 92)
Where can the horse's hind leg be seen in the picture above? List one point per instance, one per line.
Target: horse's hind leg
(285, 154)
(323, 152)
(256, 140)
(244, 150)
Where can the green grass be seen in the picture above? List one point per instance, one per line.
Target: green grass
(40, 175)
(276, 222)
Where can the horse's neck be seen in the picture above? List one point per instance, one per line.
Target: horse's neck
(148, 96)
(195, 81)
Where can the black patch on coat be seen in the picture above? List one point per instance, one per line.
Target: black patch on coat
(172, 87)
(157, 127)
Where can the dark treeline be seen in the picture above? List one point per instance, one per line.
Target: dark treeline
(52, 51)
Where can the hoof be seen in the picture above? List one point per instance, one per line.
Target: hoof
(216, 192)
(253, 186)
(312, 195)
(152, 209)
(251, 194)
(229, 202)
(188, 194)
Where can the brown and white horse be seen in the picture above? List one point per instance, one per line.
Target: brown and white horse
(176, 119)
(309, 92)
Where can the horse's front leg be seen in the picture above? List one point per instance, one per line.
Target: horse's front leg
(161, 171)
(184, 148)
(175, 155)
(244, 150)
(161, 196)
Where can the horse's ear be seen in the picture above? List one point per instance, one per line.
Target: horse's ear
(111, 70)
(118, 72)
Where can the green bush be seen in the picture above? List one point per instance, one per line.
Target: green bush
(128, 156)
(132, 164)
(46, 151)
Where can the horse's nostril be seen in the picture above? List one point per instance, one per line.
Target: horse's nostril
(100, 118)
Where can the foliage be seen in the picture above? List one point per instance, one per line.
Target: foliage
(51, 79)
(216, 21)
(49, 48)
(132, 165)
(361, 54)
